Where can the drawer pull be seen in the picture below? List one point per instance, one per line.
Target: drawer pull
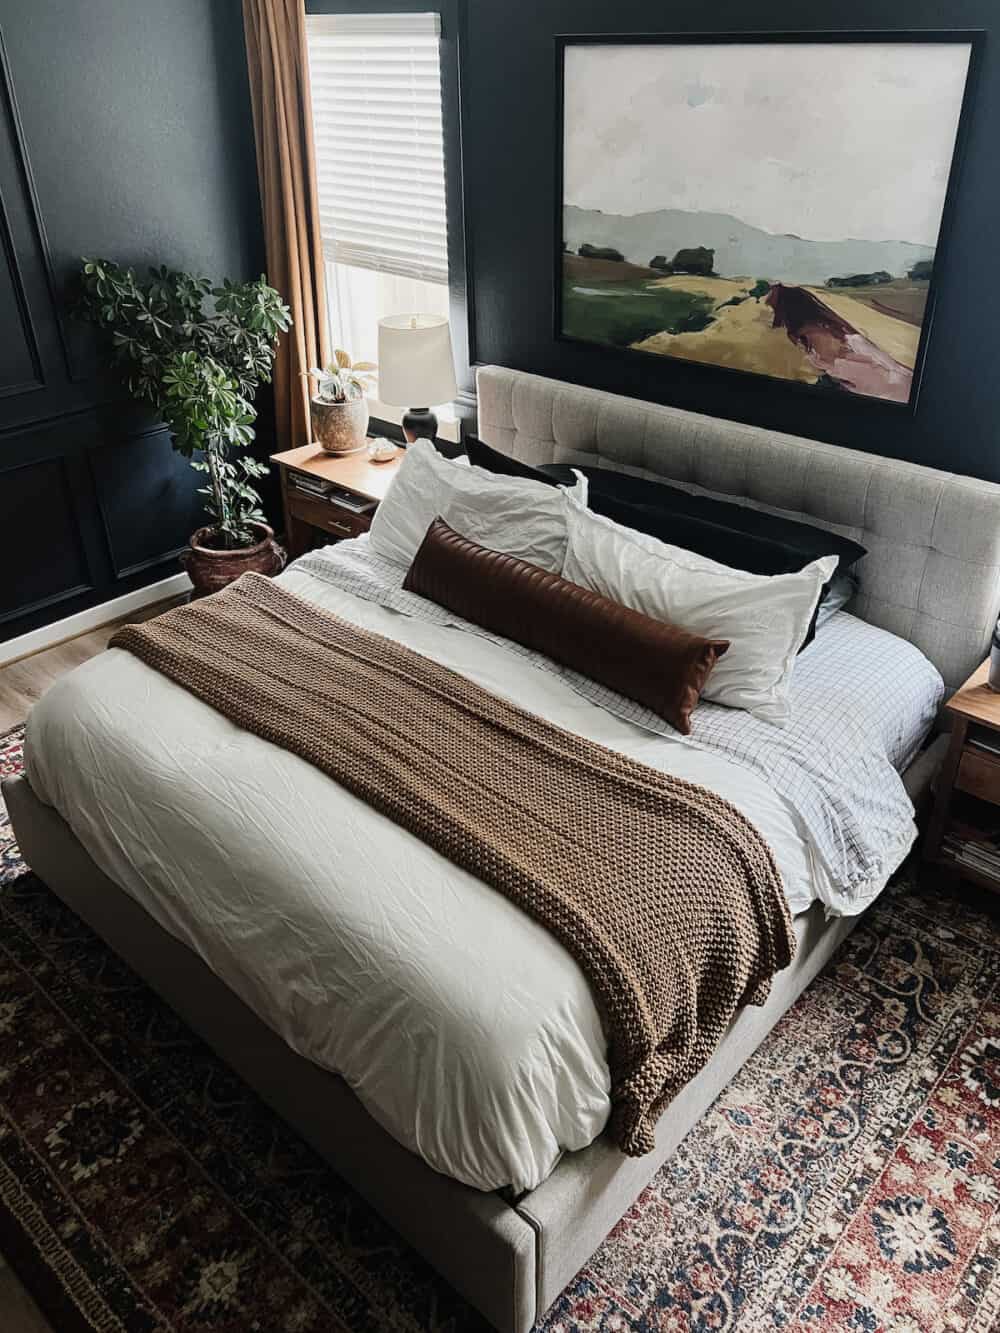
(339, 527)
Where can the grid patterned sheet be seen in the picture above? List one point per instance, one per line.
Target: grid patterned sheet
(863, 700)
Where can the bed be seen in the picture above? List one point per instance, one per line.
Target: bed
(509, 1226)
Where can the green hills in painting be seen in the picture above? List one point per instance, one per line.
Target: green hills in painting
(706, 287)
(740, 249)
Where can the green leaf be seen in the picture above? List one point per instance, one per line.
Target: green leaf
(199, 366)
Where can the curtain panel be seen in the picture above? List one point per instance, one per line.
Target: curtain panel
(283, 130)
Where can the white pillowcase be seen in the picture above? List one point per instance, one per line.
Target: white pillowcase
(764, 617)
(509, 514)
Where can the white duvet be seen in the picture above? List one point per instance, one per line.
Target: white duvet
(464, 1027)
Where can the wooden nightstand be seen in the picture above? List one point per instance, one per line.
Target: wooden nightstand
(308, 515)
(967, 792)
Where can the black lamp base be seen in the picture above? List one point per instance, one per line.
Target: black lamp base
(419, 423)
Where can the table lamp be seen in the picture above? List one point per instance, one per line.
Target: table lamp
(415, 366)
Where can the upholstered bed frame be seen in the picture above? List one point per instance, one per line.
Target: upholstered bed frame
(932, 575)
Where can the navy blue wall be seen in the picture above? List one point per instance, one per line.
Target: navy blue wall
(509, 154)
(125, 131)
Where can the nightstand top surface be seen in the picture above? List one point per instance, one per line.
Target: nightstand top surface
(976, 701)
(355, 472)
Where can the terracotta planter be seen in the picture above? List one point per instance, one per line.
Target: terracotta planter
(210, 568)
(341, 428)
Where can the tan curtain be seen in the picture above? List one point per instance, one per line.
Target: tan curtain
(283, 128)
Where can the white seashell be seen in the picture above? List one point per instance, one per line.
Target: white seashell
(381, 449)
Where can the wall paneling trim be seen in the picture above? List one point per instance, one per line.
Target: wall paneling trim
(125, 131)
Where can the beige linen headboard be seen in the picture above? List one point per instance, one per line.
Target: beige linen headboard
(932, 572)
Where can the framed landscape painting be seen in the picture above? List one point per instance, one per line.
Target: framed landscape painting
(771, 205)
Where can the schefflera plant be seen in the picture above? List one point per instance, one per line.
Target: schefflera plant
(197, 354)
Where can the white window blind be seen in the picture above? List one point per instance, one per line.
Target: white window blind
(376, 94)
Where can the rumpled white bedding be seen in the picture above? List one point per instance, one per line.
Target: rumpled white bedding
(468, 1033)
(863, 700)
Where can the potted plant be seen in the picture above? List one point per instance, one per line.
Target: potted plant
(199, 364)
(339, 408)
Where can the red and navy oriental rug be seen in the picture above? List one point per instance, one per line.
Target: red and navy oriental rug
(848, 1178)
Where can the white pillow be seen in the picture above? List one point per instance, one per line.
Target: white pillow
(764, 617)
(509, 514)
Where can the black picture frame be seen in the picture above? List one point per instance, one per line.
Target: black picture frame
(707, 372)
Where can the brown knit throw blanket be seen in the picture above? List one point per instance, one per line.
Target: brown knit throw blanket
(664, 893)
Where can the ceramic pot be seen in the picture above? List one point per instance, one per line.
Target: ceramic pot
(211, 568)
(341, 428)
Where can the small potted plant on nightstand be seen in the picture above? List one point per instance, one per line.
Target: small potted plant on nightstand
(339, 407)
(199, 368)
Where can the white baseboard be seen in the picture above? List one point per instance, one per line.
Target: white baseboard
(95, 616)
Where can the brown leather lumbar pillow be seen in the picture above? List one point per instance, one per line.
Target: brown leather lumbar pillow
(657, 664)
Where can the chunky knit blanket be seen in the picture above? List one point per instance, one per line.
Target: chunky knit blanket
(666, 896)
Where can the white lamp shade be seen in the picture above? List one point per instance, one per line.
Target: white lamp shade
(415, 366)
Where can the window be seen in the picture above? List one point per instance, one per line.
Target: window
(376, 95)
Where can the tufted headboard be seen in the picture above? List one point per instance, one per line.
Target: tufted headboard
(932, 572)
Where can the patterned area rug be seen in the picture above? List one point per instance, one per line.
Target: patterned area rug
(848, 1178)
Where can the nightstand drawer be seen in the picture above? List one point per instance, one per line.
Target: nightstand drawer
(330, 517)
(979, 775)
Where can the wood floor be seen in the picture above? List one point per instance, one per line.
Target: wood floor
(22, 684)
(18, 1312)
